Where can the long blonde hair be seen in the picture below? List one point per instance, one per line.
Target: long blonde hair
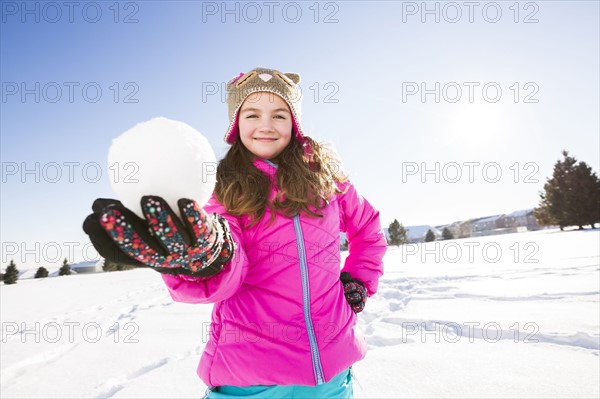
(307, 177)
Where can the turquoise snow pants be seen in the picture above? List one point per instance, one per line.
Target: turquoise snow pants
(340, 387)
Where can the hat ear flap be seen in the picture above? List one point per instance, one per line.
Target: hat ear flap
(294, 77)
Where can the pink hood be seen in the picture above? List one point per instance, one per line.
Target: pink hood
(280, 316)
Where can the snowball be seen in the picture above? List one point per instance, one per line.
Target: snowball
(162, 157)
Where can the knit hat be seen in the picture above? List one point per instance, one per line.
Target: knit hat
(285, 85)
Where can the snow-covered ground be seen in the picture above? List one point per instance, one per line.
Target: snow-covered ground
(516, 315)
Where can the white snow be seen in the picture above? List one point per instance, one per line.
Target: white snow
(479, 326)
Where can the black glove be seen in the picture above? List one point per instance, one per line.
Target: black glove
(354, 291)
(197, 246)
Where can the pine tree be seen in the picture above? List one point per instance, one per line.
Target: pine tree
(571, 197)
(41, 272)
(554, 207)
(11, 275)
(65, 269)
(397, 233)
(429, 236)
(586, 187)
(447, 234)
(109, 266)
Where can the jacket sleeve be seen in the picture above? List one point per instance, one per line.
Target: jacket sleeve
(222, 285)
(366, 239)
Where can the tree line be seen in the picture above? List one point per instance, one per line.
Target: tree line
(11, 275)
(571, 197)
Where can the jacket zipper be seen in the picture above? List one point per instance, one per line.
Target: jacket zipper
(314, 349)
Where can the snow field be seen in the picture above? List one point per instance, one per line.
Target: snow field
(472, 327)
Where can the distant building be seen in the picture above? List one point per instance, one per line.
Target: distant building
(459, 229)
(522, 218)
(515, 222)
(93, 266)
(417, 233)
(486, 223)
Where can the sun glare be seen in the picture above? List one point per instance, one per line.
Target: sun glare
(479, 125)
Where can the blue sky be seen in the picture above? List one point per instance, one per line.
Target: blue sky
(358, 61)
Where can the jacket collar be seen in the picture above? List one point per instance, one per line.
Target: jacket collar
(265, 166)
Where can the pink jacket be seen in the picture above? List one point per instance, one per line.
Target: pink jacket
(280, 316)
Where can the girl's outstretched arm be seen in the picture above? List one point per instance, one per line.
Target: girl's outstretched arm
(366, 239)
(224, 284)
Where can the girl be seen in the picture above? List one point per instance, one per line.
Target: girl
(266, 250)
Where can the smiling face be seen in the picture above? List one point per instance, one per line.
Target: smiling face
(265, 124)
